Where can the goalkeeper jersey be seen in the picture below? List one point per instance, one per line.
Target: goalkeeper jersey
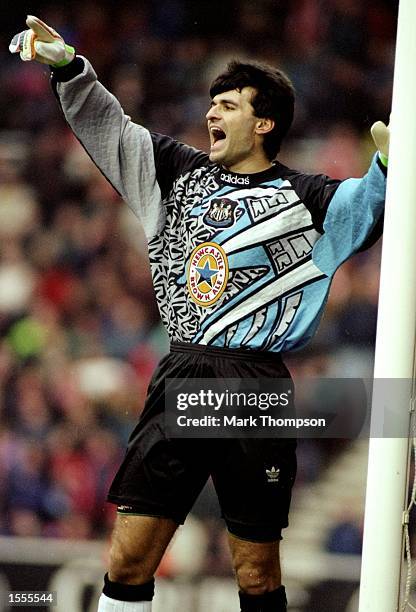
(237, 260)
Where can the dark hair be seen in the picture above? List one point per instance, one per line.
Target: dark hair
(274, 97)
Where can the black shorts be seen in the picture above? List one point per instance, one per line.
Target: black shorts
(163, 477)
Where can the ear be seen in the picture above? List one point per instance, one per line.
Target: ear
(263, 126)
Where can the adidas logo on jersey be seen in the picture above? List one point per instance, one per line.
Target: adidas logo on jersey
(273, 474)
(235, 180)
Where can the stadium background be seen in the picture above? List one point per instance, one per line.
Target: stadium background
(79, 328)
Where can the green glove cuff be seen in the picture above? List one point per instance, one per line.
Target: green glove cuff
(383, 158)
(69, 56)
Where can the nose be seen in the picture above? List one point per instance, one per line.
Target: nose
(213, 112)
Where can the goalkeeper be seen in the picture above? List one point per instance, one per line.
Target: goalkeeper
(242, 251)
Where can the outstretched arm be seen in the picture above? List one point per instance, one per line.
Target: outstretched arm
(121, 149)
(353, 219)
(142, 166)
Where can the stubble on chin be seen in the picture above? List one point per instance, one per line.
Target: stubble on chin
(215, 159)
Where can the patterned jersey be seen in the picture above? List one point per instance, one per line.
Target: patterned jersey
(238, 260)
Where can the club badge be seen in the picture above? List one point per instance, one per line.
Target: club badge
(221, 213)
(207, 273)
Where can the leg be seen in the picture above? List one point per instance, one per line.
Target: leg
(256, 565)
(137, 546)
(257, 568)
(255, 508)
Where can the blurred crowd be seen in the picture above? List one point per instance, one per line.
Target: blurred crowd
(79, 329)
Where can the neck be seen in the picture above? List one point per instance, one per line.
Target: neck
(250, 166)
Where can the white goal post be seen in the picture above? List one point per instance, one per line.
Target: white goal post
(395, 345)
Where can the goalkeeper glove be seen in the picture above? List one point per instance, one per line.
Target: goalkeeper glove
(381, 136)
(41, 43)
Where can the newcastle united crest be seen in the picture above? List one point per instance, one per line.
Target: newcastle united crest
(221, 213)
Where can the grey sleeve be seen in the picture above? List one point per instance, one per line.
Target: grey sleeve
(121, 149)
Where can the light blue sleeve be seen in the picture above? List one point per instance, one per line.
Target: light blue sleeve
(352, 215)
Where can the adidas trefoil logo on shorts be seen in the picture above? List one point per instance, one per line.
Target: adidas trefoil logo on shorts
(273, 474)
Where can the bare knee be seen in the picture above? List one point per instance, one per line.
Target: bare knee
(257, 565)
(256, 579)
(128, 566)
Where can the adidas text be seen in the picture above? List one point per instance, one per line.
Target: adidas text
(235, 180)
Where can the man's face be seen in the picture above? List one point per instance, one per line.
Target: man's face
(233, 130)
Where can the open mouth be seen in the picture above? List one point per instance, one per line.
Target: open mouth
(217, 134)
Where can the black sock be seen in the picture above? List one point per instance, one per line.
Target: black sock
(129, 592)
(274, 601)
